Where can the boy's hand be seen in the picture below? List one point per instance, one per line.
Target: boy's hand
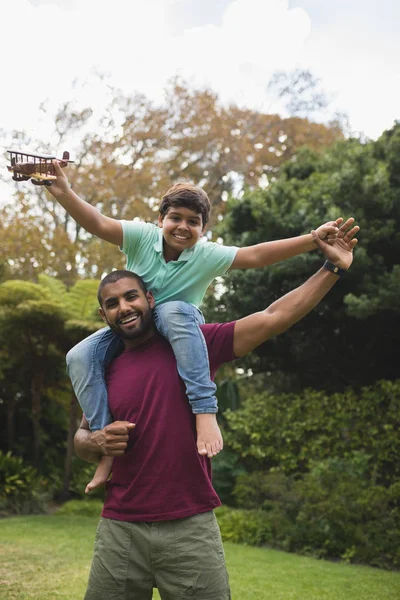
(329, 229)
(339, 249)
(60, 185)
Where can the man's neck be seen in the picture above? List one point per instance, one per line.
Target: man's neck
(142, 340)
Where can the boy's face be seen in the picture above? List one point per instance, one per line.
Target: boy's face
(182, 228)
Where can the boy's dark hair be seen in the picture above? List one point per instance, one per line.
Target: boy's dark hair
(115, 276)
(189, 196)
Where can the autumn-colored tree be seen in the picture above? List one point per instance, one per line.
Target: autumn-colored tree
(124, 165)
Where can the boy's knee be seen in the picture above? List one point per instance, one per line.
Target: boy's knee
(77, 355)
(174, 311)
(174, 307)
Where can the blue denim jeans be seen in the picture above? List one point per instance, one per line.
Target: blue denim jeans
(179, 323)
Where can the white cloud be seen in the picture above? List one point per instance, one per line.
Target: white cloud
(45, 47)
(237, 58)
(49, 47)
(363, 73)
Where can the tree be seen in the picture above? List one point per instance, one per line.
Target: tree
(126, 162)
(299, 90)
(39, 323)
(30, 322)
(349, 338)
(81, 306)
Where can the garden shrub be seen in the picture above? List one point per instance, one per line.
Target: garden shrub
(336, 510)
(82, 473)
(22, 490)
(226, 467)
(289, 431)
(243, 526)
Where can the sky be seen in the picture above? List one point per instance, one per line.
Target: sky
(232, 46)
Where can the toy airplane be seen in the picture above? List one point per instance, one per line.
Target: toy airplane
(38, 168)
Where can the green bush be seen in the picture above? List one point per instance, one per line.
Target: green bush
(226, 468)
(22, 490)
(336, 510)
(81, 508)
(290, 431)
(82, 473)
(243, 526)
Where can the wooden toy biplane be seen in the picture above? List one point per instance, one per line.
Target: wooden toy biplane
(38, 168)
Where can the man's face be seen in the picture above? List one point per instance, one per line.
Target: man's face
(182, 227)
(127, 309)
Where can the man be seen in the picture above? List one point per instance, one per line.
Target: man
(158, 529)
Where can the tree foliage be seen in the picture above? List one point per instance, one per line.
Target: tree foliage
(125, 163)
(350, 337)
(39, 323)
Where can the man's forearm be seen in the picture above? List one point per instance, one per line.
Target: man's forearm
(255, 329)
(86, 447)
(112, 440)
(295, 305)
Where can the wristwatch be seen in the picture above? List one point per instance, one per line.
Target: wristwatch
(329, 266)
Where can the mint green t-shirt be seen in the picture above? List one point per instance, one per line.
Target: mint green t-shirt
(185, 279)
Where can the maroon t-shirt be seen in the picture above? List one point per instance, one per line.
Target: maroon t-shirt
(161, 476)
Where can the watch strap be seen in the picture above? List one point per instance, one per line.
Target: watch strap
(330, 266)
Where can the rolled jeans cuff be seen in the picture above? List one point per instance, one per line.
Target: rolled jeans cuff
(204, 407)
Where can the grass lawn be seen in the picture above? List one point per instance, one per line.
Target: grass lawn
(48, 557)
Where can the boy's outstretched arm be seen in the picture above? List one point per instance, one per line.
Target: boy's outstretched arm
(255, 329)
(268, 253)
(85, 214)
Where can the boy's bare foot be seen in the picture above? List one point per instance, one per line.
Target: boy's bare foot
(209, 438)
(101, 475)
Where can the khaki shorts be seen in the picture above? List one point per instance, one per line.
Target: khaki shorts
(183, 558)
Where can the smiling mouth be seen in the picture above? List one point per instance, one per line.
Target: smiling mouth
(180, 237)
(127, 320)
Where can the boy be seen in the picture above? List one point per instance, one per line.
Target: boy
(178, 270)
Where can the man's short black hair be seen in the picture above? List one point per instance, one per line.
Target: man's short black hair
(115, 276)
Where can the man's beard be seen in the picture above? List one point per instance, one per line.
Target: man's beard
(140, 330)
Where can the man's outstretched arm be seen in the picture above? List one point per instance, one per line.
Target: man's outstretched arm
(255, 329)
(110, 441)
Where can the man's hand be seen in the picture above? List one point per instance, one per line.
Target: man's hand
(60, 185)
(113, 439)
(339, 248)
(329, 229)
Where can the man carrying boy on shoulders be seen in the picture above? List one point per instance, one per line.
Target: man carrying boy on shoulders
(158, 529)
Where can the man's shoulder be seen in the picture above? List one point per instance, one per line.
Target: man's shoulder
(220, 340)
